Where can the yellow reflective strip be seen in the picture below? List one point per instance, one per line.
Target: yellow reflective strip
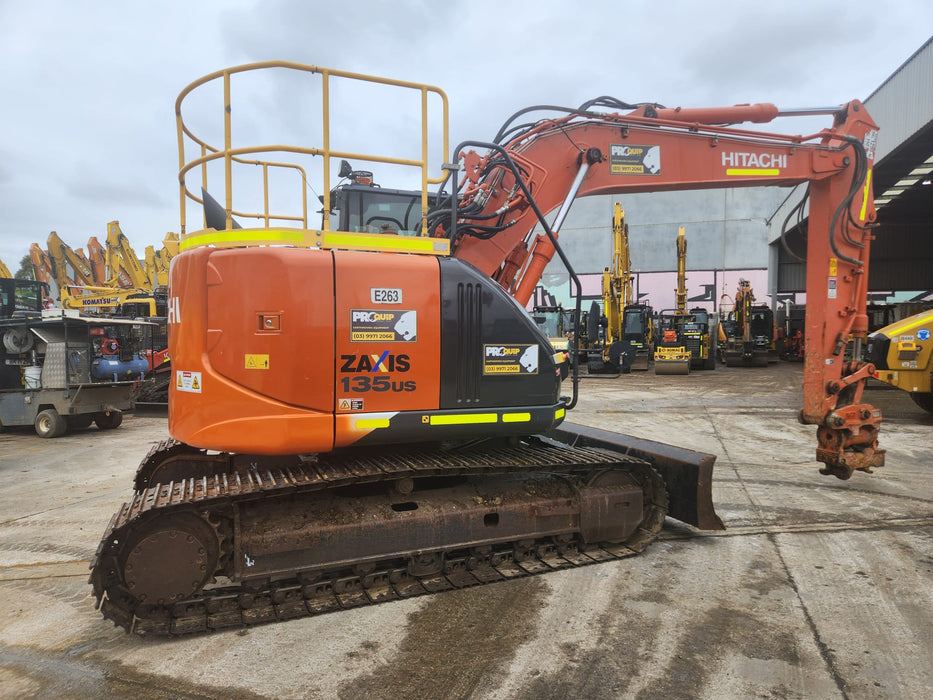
(464, 419)
(408, 244)
(516, 417)
(865, 196)
(559, 413)
(745, 172)
(371, 423)
(244, 236)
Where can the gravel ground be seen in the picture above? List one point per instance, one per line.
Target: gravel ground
(818, 587)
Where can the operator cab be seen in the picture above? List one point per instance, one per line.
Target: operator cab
(22, 298)
(636, 320)
(362, 206)
(761, 322)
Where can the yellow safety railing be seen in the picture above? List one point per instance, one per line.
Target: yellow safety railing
(293, 227)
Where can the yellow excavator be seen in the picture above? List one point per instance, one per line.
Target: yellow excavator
(628, 326)
(122, 264)
(70, 267)
(902, 354)
(671, 355)
(157, 262)
(746, 336)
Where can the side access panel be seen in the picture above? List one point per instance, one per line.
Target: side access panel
(251, 336)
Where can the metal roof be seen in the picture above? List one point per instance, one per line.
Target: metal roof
(902, 254)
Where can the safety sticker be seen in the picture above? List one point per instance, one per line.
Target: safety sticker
(629, 159)
(257, 362)
(870, 142)
(923, 334)
(350, 405)
(510, 359)
(188, 381)
(384, 325)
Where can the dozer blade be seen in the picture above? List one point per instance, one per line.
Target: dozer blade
(688, 475)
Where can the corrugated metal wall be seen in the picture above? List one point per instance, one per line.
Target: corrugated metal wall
(903, 104)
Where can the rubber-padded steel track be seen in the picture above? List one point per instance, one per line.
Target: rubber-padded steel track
(224, 603)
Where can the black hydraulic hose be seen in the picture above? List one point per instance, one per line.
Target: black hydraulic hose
(550, 234)
(797, 209)
(615, 103)
(505, 128)
(583, 110)
(861, 161)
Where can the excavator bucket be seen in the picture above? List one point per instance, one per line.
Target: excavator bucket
(688, 475)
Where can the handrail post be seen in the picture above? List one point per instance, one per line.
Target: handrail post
(325, 100)
(228, 144)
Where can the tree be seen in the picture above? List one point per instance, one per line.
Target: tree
(26, 271)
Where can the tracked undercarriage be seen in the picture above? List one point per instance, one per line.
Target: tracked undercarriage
(212, 541)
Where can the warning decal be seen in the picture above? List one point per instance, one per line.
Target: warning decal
(257, 362)
(389, 326)
(510, 359)
(188, 381)
(350, 405)
(629, 159)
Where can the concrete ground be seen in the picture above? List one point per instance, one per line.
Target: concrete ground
(818, 588)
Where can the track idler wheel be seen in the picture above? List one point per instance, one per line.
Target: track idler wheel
(171, 560)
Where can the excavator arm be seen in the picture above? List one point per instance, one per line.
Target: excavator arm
(617, 280)
(124, 266)
(541, 166)
(42, 267)
(681, 293)
(69, 267)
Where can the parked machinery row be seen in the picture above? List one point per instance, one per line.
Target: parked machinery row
(105, 275)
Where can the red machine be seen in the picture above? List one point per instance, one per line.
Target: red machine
(365, 413)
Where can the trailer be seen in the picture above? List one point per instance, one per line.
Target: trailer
(62, 371)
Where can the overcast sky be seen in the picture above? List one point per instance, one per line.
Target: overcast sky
(88, 88)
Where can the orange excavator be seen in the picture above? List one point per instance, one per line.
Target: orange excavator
(362, 412)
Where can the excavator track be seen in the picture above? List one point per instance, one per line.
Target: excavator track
(176, 559)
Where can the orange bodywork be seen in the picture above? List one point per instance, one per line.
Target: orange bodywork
(255, 349)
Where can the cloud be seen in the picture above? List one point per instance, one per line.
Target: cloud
(89, 88)
(107, 192)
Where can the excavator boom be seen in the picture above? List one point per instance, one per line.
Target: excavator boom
(595, 153)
